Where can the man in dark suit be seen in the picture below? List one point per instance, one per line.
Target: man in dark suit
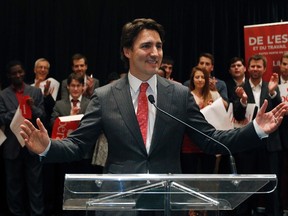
(265, 159)
(23, 168)
(283, 79)
(113, 109)
(80, 66)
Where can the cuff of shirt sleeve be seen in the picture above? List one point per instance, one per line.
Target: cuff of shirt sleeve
(274, 95)
(261, 134)
(43, 154)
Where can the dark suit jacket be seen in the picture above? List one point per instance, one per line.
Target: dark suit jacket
(283, 130)
(273, 141)
(238, 113)
(63, 108)
(8, 107)
(111, 110)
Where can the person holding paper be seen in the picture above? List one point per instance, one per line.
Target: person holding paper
(48, 85)
(75, 104)
(193, 159)
(148, 143)
(23, 169)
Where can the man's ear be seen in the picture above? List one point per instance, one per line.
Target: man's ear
(127, 52)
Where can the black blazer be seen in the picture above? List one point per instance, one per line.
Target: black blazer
(273, 141)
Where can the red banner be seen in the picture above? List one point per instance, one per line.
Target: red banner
(270, 40)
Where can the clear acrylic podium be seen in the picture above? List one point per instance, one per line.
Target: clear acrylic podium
(160, 192)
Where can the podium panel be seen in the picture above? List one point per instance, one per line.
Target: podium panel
(160, 192)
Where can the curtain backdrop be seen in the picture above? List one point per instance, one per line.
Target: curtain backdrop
(56, 29)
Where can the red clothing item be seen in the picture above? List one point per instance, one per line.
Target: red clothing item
(188, 146)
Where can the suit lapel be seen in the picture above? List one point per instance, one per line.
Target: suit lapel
(122, 96)
(249, 92)
(164, 100)
(264, 92)
(11, 95)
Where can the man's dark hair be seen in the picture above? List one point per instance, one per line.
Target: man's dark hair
(235, 59)
(167, 60)
(207, 55)
(13, 63)
(258, 57)
(75, 76)
(78, 56)
(131, 30)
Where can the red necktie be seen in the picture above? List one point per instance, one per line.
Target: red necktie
(142, 111)
(74, 101)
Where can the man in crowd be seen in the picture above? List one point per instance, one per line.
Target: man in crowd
(80, 65)
(23, 168)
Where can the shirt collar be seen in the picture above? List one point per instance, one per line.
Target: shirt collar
(80, 98)
(135, 82)
(20, 91)
(253, 86)
(243, 81)
(282, 80)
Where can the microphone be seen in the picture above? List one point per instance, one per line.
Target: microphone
(232, 160)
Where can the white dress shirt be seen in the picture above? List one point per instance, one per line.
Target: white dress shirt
(152, 90)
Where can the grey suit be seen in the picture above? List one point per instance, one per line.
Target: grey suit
(111, 110)
(63, 107)
(23, 167)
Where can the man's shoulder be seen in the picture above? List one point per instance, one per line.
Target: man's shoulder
(64, 81)
(62, 102)
(220, 80)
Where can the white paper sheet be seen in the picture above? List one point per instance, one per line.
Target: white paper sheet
(217, 115)
(2, 137)
(17, 120)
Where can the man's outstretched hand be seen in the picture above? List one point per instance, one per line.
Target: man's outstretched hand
(36, 140)
(270, 121)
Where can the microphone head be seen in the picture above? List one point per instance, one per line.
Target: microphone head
(151, 99)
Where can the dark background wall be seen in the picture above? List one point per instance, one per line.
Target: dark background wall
(56, 29)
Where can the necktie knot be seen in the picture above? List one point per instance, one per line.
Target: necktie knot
(143, 87)
(74, 101)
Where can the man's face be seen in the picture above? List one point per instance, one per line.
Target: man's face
(256, 69)
(145, 55)
(79, 66)
(168, 68)
(237, 70)
(41, 70)
(16, 75)
(75, 89)
(284, 67)
(206, 63)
